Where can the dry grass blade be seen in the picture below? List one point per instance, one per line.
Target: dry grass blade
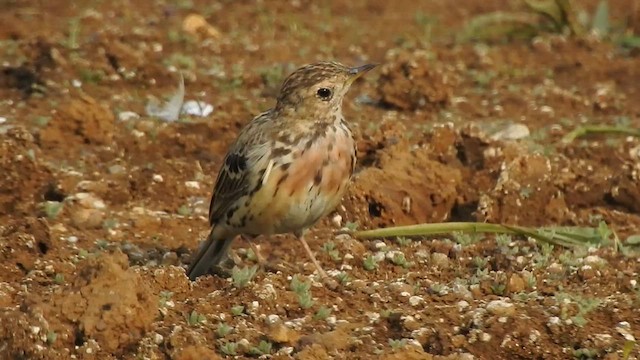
(561, 236)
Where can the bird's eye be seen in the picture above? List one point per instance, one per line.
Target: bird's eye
(324, 93)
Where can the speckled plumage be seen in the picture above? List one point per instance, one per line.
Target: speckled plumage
(288, 168)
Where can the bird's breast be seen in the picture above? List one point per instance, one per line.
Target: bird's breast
(307, 181)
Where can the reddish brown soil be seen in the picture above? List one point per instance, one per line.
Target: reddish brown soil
(99, 215)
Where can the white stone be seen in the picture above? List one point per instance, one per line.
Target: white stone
(415, 300)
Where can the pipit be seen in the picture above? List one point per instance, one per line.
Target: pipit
(287, 169)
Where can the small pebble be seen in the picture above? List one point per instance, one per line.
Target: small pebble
(127, 115)
(415, 300)
(501, 308)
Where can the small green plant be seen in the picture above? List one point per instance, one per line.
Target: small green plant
(52, 209)
(498, 288)
(42, 121)
(585, 354)
(51, 337)
(370, 263)
(466, 239)
(229, 348)
(503, 240)
(525, 192)
(322, 314)
(438, 289)
(343, 277)
(223, 330)
(352, 226)
(165, 296)
(397, 344)
(303, 291)
(71, 41)
(109, 224)
(403, 241)
(237, 310)
(184, 210)
(58, 279)
(330, 248)
(195, 318)
(479, 262)
(263, 348)
(584, 307)
(400, 259)
(242, 276)
(102, 244)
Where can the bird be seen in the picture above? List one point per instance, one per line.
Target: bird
(288, 167)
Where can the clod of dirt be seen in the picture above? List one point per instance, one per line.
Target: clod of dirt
(313, 352)
(408, 353)
(331, 341)
(407, 187)
(83, 120)
(193, 352)
(22, 243)
(107, 302)
(21, 172)
(525, 187)
(281, 334)
(411, 81)
(626, 189)
(17, 335)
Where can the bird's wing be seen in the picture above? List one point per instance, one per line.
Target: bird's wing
(240, 171)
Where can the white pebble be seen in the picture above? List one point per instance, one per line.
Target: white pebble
(337, 220)
(415, 300)
(501, 308)
(158, 339)
(485, 337)
(127, 115)
(157, 178)
(462, 305)
(273, 319)
(192, 184)
(197, 108)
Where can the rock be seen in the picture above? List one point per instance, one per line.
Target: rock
(410, 323)
(194, 352)
(440, 260)
(501, 308)
(516, 284)
(407, 353)
(196, 24)
(281, 334)
(586, 272)
(511, 132)
(312, 352)
(415, 300)
(83, 218)
(331, 341)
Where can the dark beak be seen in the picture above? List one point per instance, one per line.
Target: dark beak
(360, 70)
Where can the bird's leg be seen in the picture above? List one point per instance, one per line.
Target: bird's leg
(321, 271)
(261, 260)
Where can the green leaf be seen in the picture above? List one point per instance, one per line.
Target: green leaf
(601, 18)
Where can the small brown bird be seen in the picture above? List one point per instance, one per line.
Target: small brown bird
(288, 168)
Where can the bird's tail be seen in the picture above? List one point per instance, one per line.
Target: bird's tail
(211, 252)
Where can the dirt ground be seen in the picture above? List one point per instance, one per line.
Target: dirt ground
(101, 205)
